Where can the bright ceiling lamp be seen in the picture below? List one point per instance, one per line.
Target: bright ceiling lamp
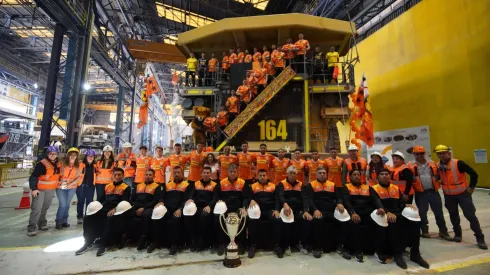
(258, 4)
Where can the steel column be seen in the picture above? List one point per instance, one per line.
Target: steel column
(119, 116)
(50, 96)
(68, 79)
(131, 118)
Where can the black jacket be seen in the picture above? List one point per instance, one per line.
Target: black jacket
(296, 196)
(174, 195)
(115, 193)
(146, 195)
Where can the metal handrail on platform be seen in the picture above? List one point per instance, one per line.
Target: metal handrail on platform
(9, 173)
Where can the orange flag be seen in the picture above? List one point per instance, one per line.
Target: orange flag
(367, 130)
(143, 115)
(151, 86)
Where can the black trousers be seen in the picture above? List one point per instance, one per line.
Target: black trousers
(300, 65)
(140, 225)
(317, 74)
(231, 117)
(254, 226)
(169, 226)
(397, 236)
(116, 226)
(221, 237)
(295, 232)
(93, 226)
(203, 78)
(100, 190)
(328, 232)
(361, 235)
(330, 75)
(192, 75)
(199, 226)
(465, 201)
(224, 74)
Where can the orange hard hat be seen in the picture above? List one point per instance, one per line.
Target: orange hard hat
(418, 149)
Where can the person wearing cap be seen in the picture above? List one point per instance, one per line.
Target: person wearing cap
(457, 191)
(175, 195)
(375, 165)
(205, 197)
(196, 159)
(426, 186)
(323, 199)
(85, 192)
(312, 164)
(71, 176)
(104, 167)
(224, 161)
(300, 164)
(159, 165)
(279, 166)
(263, 194)
(127, 161)
(144, 198)
(176, 159)
(361, 200)
(334, 164)
(43, 182)
(246, 164)
(263, 160)
(94, 226)
(401, 232)
(353, 162)
(402, 176)
(143, 163)
(293, 200)
(230, 191)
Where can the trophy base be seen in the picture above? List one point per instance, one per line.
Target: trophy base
(232, 263)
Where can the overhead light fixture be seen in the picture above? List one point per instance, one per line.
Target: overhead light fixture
(87, 86)
(36, 86)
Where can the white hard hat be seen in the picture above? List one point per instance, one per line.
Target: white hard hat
(254, 212)
(26, 186)
(398, 153)
(127, 145)
(380, 220)
(107, 148)
(158, 212)
(411, 214)
(190, 209)
(376, 153)
(93, 208)
(122, 207)
(286, 219)
(352, 147)
(343, 217)
(220, 208)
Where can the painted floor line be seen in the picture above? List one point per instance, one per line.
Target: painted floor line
(454, 264)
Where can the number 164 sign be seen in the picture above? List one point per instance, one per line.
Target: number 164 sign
(272, 129)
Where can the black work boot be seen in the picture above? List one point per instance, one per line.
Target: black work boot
(481, 242)
(141, 243)
(400, 261)
(445, 236)
(416, 258)
(458, 235)
(425, 233)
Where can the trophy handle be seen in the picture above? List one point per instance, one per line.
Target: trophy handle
(243, 226)
(221, 218)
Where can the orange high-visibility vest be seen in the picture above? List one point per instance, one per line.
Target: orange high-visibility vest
(402, 184)
(453, 181)
(277, 59)
(240, 57)
(248, 58)
(287, 186)
(159, 166)
(212, 65)
(417, 183)
(373, 178)
(233, 58)
(147, 188)
(222, 118)
(73, 176)
(362, 190)
(257, 57)
(390, 192)
(142, 165)
(210, 123)
(334, 167)
(125, 163)
(327, 186)
(265, 55)
(287, 53)
(48, 181)
(312, 166)
(224, 63)
(280, 167)
(104, 175)
(360, 164)
(301, 45)
(300, 167)
(225, 162)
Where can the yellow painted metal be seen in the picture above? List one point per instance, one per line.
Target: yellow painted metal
(307, 116)
(156, 52)
(221, 146)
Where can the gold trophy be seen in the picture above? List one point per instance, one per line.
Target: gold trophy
(232, 221)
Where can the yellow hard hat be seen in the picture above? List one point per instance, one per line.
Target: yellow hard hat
(73, 149)
(441, 148)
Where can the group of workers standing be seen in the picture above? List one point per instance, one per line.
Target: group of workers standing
(349, 206)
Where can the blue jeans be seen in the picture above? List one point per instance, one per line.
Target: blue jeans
(64, 199)
(85, 195)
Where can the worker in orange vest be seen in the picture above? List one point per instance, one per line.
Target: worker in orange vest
(232, 103)
(43, 183)
(354, 162)
(212, 70)
(279, 166)
(143, 163)
(224, 162)
(248, 57)
(256, 58)
(233, 59)
(260, 75)
(222, 118)
(251, 82)
(177, 159)
(240, 55)
(302, 46)
(270, 70)
(225, 66)
(245, 95)
(313, 164)
(299, 163)
(402, 176)
(457, 191)
(289, 51)
(334, 165)
(104, 168)
(159, 165)
(127, 161)
(196, 159)
(263, 160)
(375, 165)
(426, 186)
(71, 176)
(265, 54)
(277, 58)
(210, 124)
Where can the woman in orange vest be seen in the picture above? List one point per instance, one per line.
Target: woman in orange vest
(71, 176)
(43, 182)
(402, 176)
(105, 166)
(85, 192)
(374, 166)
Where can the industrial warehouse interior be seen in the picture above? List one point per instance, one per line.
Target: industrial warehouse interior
(244, 136)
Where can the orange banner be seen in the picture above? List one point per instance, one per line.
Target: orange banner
(143, 115)
(362, 111)
(151, 86)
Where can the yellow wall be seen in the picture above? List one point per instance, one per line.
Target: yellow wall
(430, 66)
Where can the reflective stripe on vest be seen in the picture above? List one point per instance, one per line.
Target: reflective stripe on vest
(455, 187)
(50, 180)
(75, 181)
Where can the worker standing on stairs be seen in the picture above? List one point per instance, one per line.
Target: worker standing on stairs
(334, 165)
(246, 163)
(354, 162)
(203, 71)
(402, 176)
(248, 57)
(288, 50)
(245, 94)
(143, 163)
(277, 58)
(260, 75)
(457, 191)
(233, 59)
(232, 103)
(252, 81)
(265, 54)
(426, 186)
(270, 70)
(256, 58)
(300, 165)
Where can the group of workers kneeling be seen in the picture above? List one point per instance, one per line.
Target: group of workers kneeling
(354, 219)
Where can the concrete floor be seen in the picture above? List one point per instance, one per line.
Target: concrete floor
(20, 254)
